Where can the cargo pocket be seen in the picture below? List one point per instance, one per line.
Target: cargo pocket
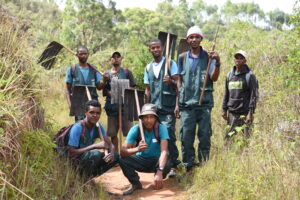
(169, 99)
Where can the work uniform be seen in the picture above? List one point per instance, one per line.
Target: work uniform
(241, 95)
(91, 162)
(112, 110)
(192, 71)
(83, 76)
(164, 97)
(146, 161)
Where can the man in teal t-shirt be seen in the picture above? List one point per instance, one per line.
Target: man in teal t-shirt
(149, 155)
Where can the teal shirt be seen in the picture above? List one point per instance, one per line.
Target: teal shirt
(153, 150)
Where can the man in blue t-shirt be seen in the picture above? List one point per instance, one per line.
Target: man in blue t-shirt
(145, 156)
(82, 74)
(82, 148)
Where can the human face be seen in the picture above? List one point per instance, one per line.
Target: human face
(93, 114)
(156, 49)
(239, 60)
(116, 60)
(194, 41)
(82, 55)
(149, 121)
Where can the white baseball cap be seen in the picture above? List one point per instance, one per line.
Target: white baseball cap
(194, 30)
(241, 52)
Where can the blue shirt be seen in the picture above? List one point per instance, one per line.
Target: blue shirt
(194, 61)
(153, 150)
(85, 73)
(173, 69)
(75, 133)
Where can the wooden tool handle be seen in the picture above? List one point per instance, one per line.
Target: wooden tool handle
(138, 112)
(167, 64)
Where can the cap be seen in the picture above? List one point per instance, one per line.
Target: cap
(148, 109)
(116, 52)
(194, 30)
(241, 52)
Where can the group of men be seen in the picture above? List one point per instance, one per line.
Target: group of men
(171, 92)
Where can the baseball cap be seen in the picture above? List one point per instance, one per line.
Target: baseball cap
(241, 52)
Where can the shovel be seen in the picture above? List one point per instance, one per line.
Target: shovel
(171, 47)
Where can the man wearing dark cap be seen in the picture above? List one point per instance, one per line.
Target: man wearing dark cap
(149, 155)
(241, 95)
(116, 72)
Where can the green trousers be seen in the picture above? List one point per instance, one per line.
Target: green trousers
(91, 163)
(169, 121)
(188, 121)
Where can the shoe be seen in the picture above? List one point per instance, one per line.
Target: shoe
(132, 188)
(172, 173)
(189, 171)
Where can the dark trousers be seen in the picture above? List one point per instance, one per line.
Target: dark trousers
(169, 121)
(91, 163)
(236, 122)
(131, 164)
(188, 121)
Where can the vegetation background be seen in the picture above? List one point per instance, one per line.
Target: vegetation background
(33, 107)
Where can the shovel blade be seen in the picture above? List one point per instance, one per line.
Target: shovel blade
(163, 37)
(183, 46)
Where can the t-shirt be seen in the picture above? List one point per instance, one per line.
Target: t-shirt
(157, 68)
(85, 73)
(194, 62)
(153, 150)
(75, 133)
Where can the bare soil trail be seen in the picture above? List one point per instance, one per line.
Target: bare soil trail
(114, 182)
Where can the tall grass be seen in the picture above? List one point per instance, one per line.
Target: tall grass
(266, 166)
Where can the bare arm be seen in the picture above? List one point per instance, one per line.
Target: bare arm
(75, 152)
(158, 178)
(68, 93)
(216, 72)
(147, 94)
(128, 149)
(178, 83)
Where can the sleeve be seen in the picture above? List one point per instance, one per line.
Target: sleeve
(163, 132)
(179, 64)
(226, 95)
(102, 129)
(69, 76)
(253, 86)
(146, 76)
(98, 77)
(174, 68)
(132, 134)
(74, 135)
(131, 79)
(212, 66)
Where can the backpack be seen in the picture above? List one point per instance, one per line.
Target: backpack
(156, 133)
(61, 138)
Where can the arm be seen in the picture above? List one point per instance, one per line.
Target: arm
(147, 94)
(128, 149)
(225, 101)
(253, 86)
(176, 111)
(215, 73)
(75, 152)
(158, 178)
(68, 93)
(101, 84)
(131, 79)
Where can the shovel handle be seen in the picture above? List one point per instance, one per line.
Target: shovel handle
(138, 112)
(167, 55)
(97, 125)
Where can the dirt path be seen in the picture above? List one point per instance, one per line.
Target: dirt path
(114, 182)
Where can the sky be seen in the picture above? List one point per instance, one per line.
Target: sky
(266, 5)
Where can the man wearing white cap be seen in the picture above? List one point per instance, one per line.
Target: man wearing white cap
(241, 95)
(149, 155)
(192, 67)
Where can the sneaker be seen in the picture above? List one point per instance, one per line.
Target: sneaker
(172, 173)
(132, 188)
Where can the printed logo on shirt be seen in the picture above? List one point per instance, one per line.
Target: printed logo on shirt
(235, 85)
(154, 140)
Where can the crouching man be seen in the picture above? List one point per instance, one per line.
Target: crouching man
(82, 149)
(145, 156)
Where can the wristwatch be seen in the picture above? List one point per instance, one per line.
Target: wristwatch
(160, 169)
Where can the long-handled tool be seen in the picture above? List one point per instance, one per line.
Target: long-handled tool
(117, 93)
(138, 112)
(208, 69)
(97, 125)
(48, 57)
(163, 36)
